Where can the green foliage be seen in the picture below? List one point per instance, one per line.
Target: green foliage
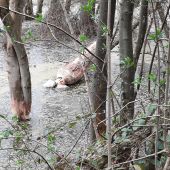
(6, 133)
(28, 35)
(127, 62)
(78, 168)
(137, 81)
(139, 166)
(162, 82)
(89, 6)
(51, 138)
(93, 68)
(116, 120)
(156, 35)
(82, 49)
(50, 142)
(7, 28)
(139, 122)
(15, 119)
(104, 29)
(3, 116)
(152, 77)
(39, 17)
(20, 162)
(72, 124)
(151, 109)
(83, 38)
(18, 136)
(124, 135)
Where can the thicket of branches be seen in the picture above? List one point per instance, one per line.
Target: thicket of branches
(128, 117)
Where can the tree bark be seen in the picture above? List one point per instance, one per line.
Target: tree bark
(56, 16)
(18, 67)
(142, 30)
(126, 53)
(99, 83)
(87, 25)
(67, 6)
(162, 17)
(29, 9)
(39, 7)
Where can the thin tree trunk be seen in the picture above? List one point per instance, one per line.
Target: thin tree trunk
(39, 7)
(162, 17)
(142, 30)
(99, 87)
(56, 16)
(87, 25)
(126, 54)
(110, 23)
(99, 84)
(29, 9)
(67, 6)
(20, 84)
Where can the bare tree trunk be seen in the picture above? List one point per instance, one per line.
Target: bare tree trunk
(39, 7)
(56, 16)
(142, 30)
(99, 85)
(67, 6)
(29, 9)
(127, 68)
(18, 67)
(126, 54)
(87, 25)
(162, 17)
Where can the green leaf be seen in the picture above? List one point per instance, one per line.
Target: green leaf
(78, 118)
(82, 49)
(139, 122)
(3, 116)
(162, 82)
(78, 168)
(152, 77)
(15, 119)
(139, 166)
(104, 30)
(28, 35)
(137, 81)
(83, 38)
(151, 108)
(18, 136)
(20, 162)
(127, 62)
(155, 35)
(51, 138)
(51, 147)
(93, 68)
(7, 28)
(72, 124)
(89, 6)
(39, 17)
(6, 133)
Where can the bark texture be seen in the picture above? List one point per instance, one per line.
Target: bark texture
(99, 87)
(68, 5)
(142, 30)
(39, 6)
(18, 67)
(162, 17)
(87, 25)
(29, 9)
(56, 16)
(126, 59)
